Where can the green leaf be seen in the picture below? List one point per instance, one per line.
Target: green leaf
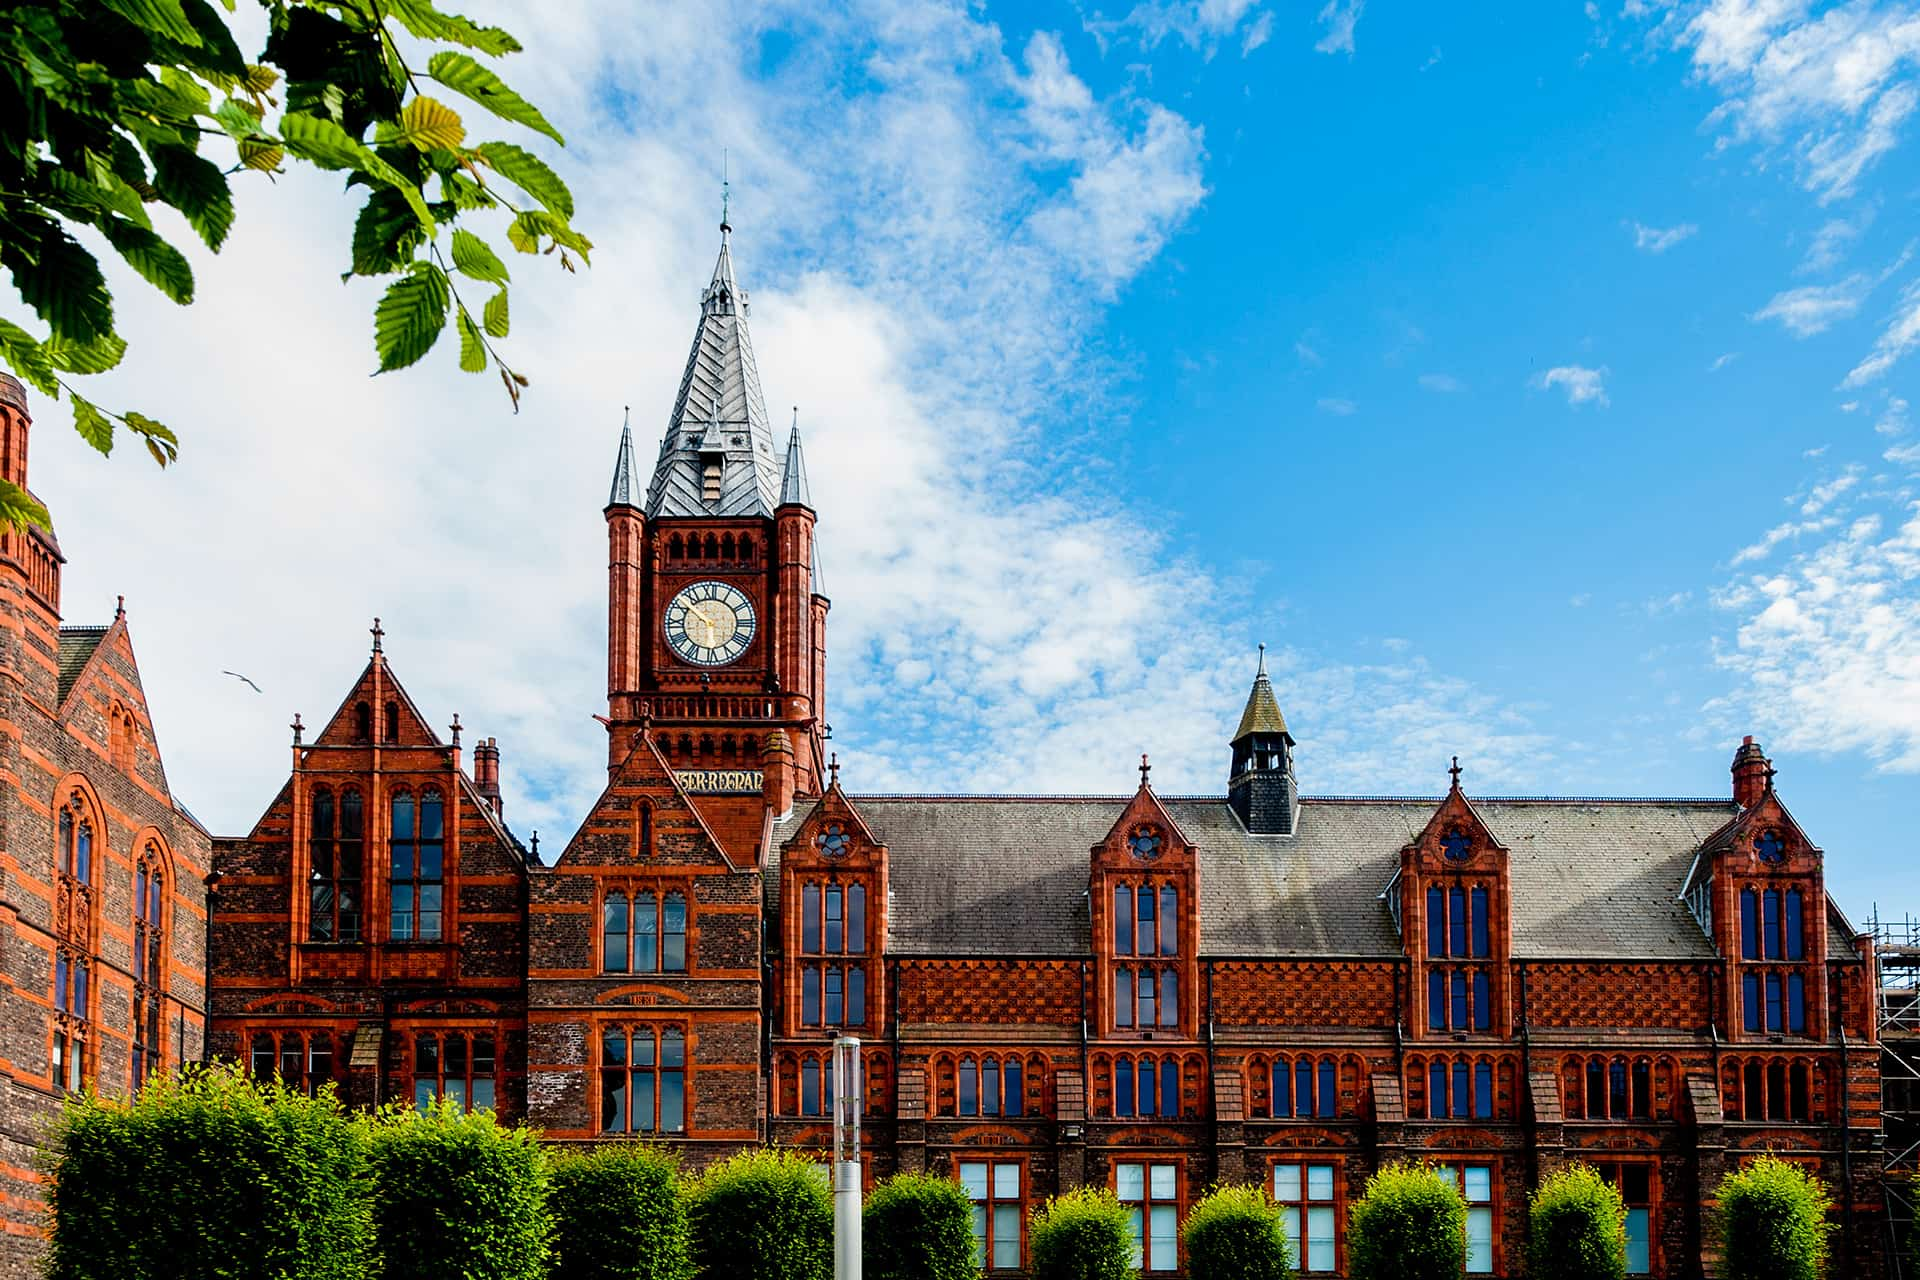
(195, 186)
(24, 354)
(410, 316)
(385, 234)
(58, 278)
(161, 442)
(98, 356)
(158, 17)
(263, 156)
(463, 75)
(95, 427)
(474, 258)
(321, 142)
(426, 123)
(260, 79)
(529, 173)
(236, 119)
(493, 316)
(159, 263)
(473, 352)
(20, 509)
(427, 22)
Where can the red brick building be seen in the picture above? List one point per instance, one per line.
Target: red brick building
(102, 873)
(1152, 993)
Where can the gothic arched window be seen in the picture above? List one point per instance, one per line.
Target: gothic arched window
(416, 844)
(149, 962)
(334, 853)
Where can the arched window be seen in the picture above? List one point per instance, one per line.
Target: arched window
(362, 722)
(149, 963)
(614, 926)
(334, 855)
(675, 548)
(673, 933)
(746, 546)
(969, 1087)
(73, 941)
(456, 1065)
(1122, 920)
(416, 845)
(392, 727)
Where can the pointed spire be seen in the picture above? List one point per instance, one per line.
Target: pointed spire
(1262, 713)
(621, 494)
(793, 484)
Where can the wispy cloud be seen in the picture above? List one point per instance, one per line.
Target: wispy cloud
(1582, 385)
(1823, 494)
(1445, 383)
(1307, 355)
(1830, 242)
(1815, 308)
(1835, 87)
(1775, 536)
(1900, 336)
(1199, 24)
(1722, 361)
(1660, 239)
(1893, 417)
(1339, 17)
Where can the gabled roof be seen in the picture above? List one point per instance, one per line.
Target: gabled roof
(719, 412)
(77, 645)
(1008, 875)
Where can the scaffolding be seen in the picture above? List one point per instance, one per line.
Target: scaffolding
(1896, 949)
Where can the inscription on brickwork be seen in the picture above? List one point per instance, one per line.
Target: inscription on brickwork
(719, 782)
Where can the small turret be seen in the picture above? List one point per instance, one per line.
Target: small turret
(1260, 785)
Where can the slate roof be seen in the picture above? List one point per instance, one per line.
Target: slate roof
(719, 410)
(1262, 714)
(76, 647)
(1591, 879)
(621, 492)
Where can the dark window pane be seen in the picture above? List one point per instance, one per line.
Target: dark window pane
(1169, 998)
(426, 1055)
(1460, 1013)
(1281, 1095)
(1483, 1090)
(642, 1101)
(614, 933)
(1144, 1077)
(1776, 1091)
(1482, 945)
(1756, 1093)
(1796, 941)
(1750, 1000)
(810, 919)
(1169, 1088)
(1596, 1089)
(646, 938)
(1123, 997)
(1457, 920)
(809, 1088)
(1461, 1102)
(403, 817)
(1436, 921)
(1482, 1002)
(1144, 995)
(856, 918)
(1303, 1088)
(673, 933)
(1437, 999)
(856, 997)
(430, 816)
(673, 1101)
(1796, 1004)
(1770, 900)
(1749, 925)
(1437, 1091)
(1327, 1097)
(1123, 1087)
(1122, 920)
(1797, 1102)
(1169, 920)
(1617, 1090)
(1143, 941)
(990, 1088)
(1773, 1002)
(1014, 1090)
(836, 925)
(429, 860)
(810, 996)
(835, 1013)
(1642, 1090)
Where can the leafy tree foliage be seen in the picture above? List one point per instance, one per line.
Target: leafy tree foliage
(1576, 1228)
(762, 1215)
(618, 1214)
(456, 1194)
(1773, 1222)
(111, 107)
(1234, 1233)
(1082, 1235)
(918, 1227)
(1410, 1225)
(206, 1176)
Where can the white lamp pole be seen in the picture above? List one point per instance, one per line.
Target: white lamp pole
(848, 1098)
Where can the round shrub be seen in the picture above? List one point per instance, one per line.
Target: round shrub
(618, 1215)
(762, 1215)
(918, 1227)
(1576, 1228)
(1234, 1233)
(207, 1175)
(1082, 1235)
(1410, 1225)
(1773, 1222)
(455, 1194)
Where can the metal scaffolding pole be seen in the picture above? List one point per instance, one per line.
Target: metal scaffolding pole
(1896, 948)
(849, 1098)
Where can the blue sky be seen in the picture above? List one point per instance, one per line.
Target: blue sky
(1533, 381)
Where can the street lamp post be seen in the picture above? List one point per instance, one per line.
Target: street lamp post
(848, 1097)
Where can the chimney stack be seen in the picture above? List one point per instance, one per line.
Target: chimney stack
(777, 780)
(1752, 772)
(486, 772)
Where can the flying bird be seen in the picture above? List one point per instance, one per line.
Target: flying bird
(237, 676)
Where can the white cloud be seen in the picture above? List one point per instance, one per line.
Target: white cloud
(1823, 494)
(1445, 383)
(1816, 452)
(1582, 385)
(1200, 24)
(1336, 406)
(1580, 600)
(1339, 17)
(1905, 455)
(1307, 355)
(1814, 308)
(1829, 243)
(1832, 87)
(1434, 59)
(1893, 418)
(915, 290)
(1258, 33)
(1660, 239)
(1722, 361)
(1901, 336)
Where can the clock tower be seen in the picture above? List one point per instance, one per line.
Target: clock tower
(716, 628)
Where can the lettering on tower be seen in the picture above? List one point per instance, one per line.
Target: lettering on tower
(718, 782)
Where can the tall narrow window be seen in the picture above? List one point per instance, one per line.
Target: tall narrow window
(1170, 1088)
(1122, 997)
(1750, 1001)
(1169, 920)
(835, 1012)
(1123, 1087)
(643, 1080)
(1437, 1108)
(1151, 1195)
(1796, 941)
(856, 996)
(334, 852)
(646, 934)
(836, 919)
(1328, 1094)
(1143, 995)
(1280, 1090)
(994, 1187)
(1305, 1195)
(810, 996)
(857, 918)
(415, 844)
(1483, 1090)
(1143, 941)
(1457, 920)
(969, 1087)
(149, 964)
(362, 722)
(1770, 921)
(1169, 998)
(1749, 925)
(1436, 921)
(673, 933)
(1475, 1184)
(1482, 943)
(393, 722)
(1122, 920)
(810, 919)
(614, 926)
(1437, 999)
(1303, 1088)
(1635, 1184)
(1482, 1001)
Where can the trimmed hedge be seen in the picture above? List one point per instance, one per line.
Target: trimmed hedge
(207, 1175)
(1576, 1228)
(618, 1214)
(1234, 1233)
(1773, 1222)
(1082, 1235)
(455, 1194)
(917, 1227)
(762, 1215)
(1410, 1225)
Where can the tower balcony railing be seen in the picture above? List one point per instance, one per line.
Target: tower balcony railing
(714, 706)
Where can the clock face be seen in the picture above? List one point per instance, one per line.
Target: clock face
(709, 624)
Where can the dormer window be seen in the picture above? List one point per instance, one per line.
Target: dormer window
(1457, 845)
(1769, 847)
(1145, 843)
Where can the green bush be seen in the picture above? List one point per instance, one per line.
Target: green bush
(762, 1215)
(918, 1227)
(207, 1175)
(1576, 1228)
(1410, 1225)
(1082, 1235)
(1773, 1222)
(618, 1215)
(455, 1194)
(1234, 1233)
